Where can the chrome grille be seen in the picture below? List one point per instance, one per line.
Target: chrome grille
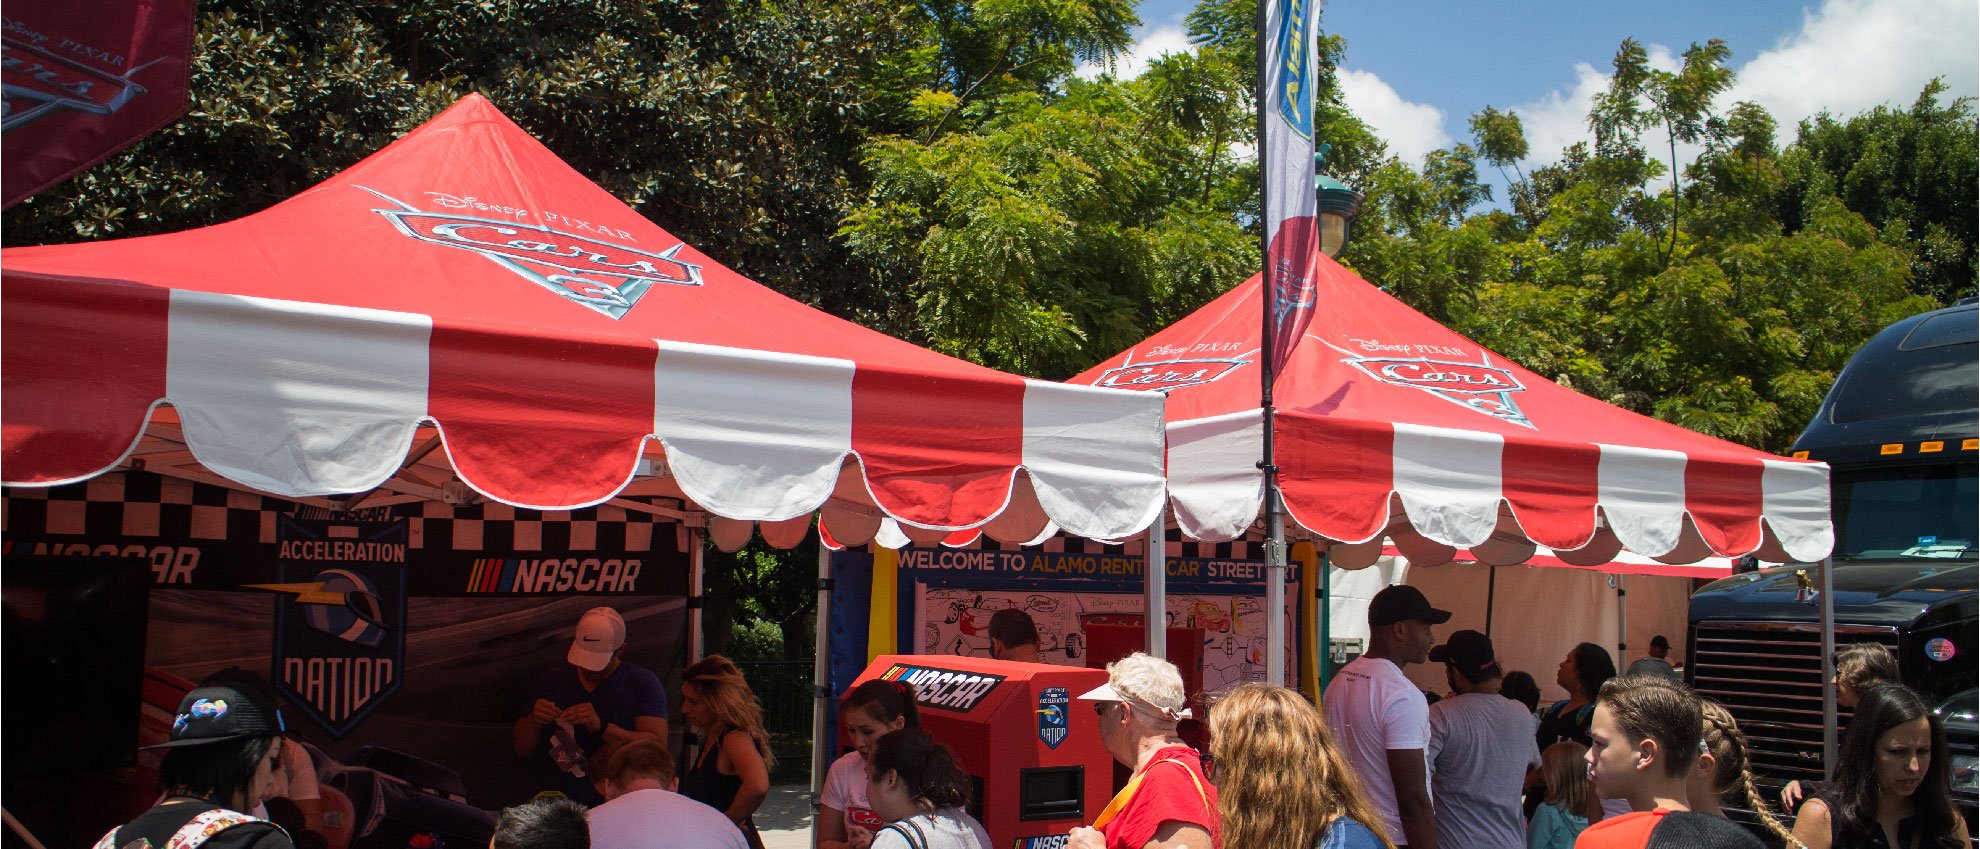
(1769, 676)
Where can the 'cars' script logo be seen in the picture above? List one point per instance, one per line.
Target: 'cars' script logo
(606, 277)
(35, 83)
(1473, 386)
(1163, 375)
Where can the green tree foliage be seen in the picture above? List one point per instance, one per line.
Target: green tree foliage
(1909, 172)
(734, 125)
(1731, 319)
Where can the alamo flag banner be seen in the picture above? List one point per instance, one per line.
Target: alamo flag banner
(340, 626)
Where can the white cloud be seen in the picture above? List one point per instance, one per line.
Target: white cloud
(1848, 56)
(1154, 43)
(1411, 129)
(1852, 55)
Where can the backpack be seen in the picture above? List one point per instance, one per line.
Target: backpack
(195, 832)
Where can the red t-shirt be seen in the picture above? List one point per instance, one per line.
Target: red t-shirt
(1629, 831)
(1166, 795)
(1666, 829)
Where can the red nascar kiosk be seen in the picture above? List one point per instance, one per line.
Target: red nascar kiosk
(1032, 754)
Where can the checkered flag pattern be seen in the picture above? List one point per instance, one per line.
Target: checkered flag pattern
(139, 504)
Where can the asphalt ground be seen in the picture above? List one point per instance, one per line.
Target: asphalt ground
(785, 818)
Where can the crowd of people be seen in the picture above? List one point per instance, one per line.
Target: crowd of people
(1631, 760)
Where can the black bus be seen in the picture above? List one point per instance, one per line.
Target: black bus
(1900, 431)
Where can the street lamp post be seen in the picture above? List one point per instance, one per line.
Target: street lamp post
(1337, 206)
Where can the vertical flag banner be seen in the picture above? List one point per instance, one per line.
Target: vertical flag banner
(1286, 124)
(83, 79)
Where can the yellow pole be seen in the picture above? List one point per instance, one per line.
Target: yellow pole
(882, 624)
(1308, 559)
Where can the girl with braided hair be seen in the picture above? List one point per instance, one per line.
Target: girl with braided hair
(1722, 768)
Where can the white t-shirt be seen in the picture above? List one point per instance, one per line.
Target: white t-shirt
(1480, 747)
(660, 819)
(845, 790)
(1372, 708)
(947, 828)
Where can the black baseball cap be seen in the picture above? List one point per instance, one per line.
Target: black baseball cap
(1467, 650)
(221, 713)
(1401, 603)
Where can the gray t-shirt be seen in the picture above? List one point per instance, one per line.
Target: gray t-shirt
(1480, 747)
(1652, 666)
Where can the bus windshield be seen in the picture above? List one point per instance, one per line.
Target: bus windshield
(1906, 512)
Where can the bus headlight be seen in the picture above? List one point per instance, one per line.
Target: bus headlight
(1964, 777)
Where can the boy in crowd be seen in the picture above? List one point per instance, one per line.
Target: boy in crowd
(1648, 731)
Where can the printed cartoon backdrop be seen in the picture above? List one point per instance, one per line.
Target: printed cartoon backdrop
(947, 597)
(414, 628)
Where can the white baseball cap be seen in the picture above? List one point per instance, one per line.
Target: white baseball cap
(600, 632)
(1141, 680)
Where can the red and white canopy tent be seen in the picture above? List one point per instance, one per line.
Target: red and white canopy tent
(465, 290)
(1392, 428)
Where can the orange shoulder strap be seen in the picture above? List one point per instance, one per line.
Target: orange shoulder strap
(1120, 799)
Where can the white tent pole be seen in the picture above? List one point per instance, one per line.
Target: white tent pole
(820, 687)
(1275, 585)
(1828, 607)
(696, 540)
(1155, 590)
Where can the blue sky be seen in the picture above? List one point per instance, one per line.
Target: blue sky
(1418, 69)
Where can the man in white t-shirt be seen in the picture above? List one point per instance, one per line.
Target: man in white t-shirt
(1481, 745)
(1382, 721)
(642, 811)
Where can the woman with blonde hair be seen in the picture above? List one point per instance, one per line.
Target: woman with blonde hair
(732, 775)
(1570, 802)
(1722, 769)
(1282, 782)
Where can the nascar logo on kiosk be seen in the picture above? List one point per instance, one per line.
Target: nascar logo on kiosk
(944, 689)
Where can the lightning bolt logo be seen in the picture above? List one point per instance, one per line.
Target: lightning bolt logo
(305, 593)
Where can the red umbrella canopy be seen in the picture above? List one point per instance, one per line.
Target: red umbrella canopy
(1390, 424)
(464, 278)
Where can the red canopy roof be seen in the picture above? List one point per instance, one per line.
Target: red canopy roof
(466, 278)
(1390, 424)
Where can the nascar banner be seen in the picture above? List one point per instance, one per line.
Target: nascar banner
(82, 79)
(1285, 118)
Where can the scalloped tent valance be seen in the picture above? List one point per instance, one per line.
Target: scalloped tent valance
(465, 290)
(1391, 426)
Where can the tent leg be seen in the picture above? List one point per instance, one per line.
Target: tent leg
(1491, 595)
(1622, 624)
(1275, 587)
(820, 653)
(697, 538)
(1324, 608)
(1155, 590)
(1828, 607)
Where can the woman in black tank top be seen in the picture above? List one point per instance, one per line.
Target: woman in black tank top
(732, 772)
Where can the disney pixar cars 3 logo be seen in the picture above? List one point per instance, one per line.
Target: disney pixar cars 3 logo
(603, 276)
(1473, 386)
